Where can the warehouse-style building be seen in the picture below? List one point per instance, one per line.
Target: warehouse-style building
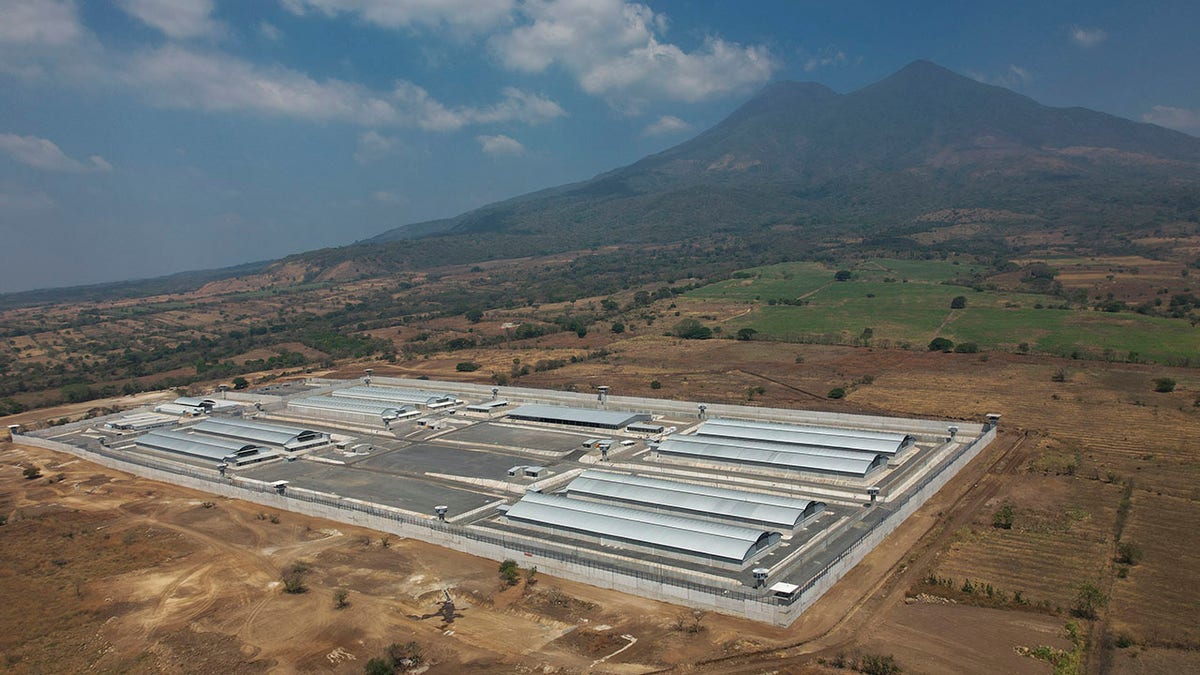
(351, 410)
(781, 457)
(270, 435)
(228, 451)
(576, 417)
(716, 544)
(708, 502)
(793, 434)
(399, 397)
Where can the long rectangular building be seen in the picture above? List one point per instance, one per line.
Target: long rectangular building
(396, 396)
(718, 543)
(874, 442)
(288, 438)
(197, 446)
(352, 409)
(696, 450)
(705, 501)
(579, 417)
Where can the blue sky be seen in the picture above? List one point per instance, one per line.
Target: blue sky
(145, 137)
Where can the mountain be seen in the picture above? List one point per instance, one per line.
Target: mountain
(917, 143)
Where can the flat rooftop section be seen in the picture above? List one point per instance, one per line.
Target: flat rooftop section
(411, 494)
(259, 432)
(396, 396)
(517, 437)
(487, 406)
(701, 500)
(829, 437)
(581, 417)
(729, 543)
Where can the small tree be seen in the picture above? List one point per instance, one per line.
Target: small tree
(843, 275)
(531, 576)
(340, 599)
(940, 344)
(1164, 385)
(618, 327)
(240, 382)
(966, 348)
(691, 329)
(293, 579)
(1003, 517)
(1060, 375)
(474, 315)
(1128, 553)
(466, 366)
(1089, 600)
(510, 573)
(837, 392)
(378, 666)
(655, 384)
(746, 334)
(31, 472)
(959, 302)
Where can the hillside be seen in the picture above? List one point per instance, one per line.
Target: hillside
(922, 140)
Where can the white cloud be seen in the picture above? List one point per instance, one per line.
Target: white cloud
(388, 197)
(48, 22)
(500, 145)
(1087, 37)
(614, 50)
(1180, 119)
(1014, 77)
(828, 57)
(667, 124)
(473, 15)
(372, 146)
(270, 31)
(41, 153)
(179, 19)
(183, 78)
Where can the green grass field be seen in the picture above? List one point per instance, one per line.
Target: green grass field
(913, 306)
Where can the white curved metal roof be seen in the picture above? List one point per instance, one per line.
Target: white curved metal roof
(364, 406)
(394, 395)
(257, 432)
(786, 433)
(193, 444)
(775, 446)
(577, 416)
(774, 510)
(736, 454)
(677, 533)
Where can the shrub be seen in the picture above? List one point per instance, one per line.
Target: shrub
(837, 392)
(958, 302)
(1088, 601)
(1164, 385)
(340, 600)
(691, 329)
(618, 327)
(966, 348)
(1003, 517)
(31, 472)
(240, 382)
(940, 345)
(1128, 553)
(293, 579)
(655, 384)
(1060, 375)
(843, 275)
(466, 366)
(746, 334)
(510, 573)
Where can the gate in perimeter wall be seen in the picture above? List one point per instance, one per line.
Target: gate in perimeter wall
(644, 580)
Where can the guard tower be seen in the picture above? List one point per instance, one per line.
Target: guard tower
(993, 419)
(367, 376)
(441, 510)
(701, 408)
(495, 393)
(760, 576)
(13, 430)
(873, 493)
(603, 397)
(953, 430)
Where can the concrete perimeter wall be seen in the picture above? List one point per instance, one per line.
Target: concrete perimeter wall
(643, 580)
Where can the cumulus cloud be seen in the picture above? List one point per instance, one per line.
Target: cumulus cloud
(47, 22)
(372, 146)
(828, 57)
(179, 19)
(1087, 37)
(667, 124)
(42, 153)
(472, 15)
(175, 76)
(1180, 119)
(614, 49)
(500, 145)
